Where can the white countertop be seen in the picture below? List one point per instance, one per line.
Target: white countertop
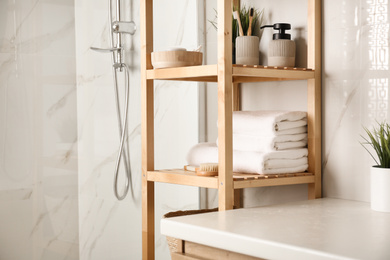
(313, 229)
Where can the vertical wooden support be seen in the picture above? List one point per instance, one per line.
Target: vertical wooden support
(238, 194)
(147, 108)
(314, 95)
(225, 106)
(236, 97)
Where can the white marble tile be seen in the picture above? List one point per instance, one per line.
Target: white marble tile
(356, 86)
(38, 142)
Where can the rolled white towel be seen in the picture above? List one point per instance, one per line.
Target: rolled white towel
(289, 161)
(267, 122)
(260, 143)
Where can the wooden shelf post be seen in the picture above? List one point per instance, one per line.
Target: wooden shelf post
(147, 131)
(314, 95)
(225, 106)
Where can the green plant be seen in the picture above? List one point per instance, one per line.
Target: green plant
(244, 17)
(379, 140)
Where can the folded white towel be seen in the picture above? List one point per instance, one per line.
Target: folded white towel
(290, 145)
(284, 163)
(296, 169)
(293, 131)
(267, 122)
(253, 162)
(260, 143)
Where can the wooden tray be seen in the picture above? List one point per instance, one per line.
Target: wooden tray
(170, 59)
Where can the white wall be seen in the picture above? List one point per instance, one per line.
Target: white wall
(356, 61)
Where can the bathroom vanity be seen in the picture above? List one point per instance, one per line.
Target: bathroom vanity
(314, 229)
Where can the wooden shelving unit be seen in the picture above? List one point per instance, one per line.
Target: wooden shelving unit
(227, 76)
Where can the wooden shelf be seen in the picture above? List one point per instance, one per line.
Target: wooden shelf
(205, 73)
(241, 180)
(251, 181)
(240, 73)
(179, 176)
(227, 76)
(257, 73)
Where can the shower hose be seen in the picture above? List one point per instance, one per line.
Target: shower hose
(122, 122)
(122, 125)
(118, 66)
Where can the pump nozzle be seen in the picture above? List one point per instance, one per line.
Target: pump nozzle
(281, 27)
(264, 26)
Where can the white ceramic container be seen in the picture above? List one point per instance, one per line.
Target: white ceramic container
(281, 53)
(247, 50)
(380, 189)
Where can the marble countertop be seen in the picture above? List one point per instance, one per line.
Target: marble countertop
(313, 229)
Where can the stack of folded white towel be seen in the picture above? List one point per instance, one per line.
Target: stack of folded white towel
(264, 142)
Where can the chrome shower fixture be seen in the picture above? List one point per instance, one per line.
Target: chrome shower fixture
(117, 29)
(124, 27)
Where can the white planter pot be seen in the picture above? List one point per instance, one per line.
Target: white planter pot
(380, 189)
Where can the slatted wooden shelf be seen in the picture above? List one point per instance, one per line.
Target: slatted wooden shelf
(179, 176)
(205, 73)
(241, 180)
(240, 73)
(252, 181)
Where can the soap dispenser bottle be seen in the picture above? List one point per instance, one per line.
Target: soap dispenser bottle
(281, 50)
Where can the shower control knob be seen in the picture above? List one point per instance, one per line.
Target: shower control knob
(124, 27)
(115, 27)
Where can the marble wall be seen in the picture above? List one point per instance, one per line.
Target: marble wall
(38, 131)
(111, 229)
(354, 91)
(58, 128)
(59, 134)
(356, 82)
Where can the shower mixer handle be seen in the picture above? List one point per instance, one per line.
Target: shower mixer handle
(107, 50)
(124, 27)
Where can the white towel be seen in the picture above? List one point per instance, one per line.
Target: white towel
(293, 131)
(267, 122)
(260, 143)
(289, 161)
(290, 145)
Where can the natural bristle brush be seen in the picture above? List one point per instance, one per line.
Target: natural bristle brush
(237, 17)
(249, 33)
(207, 169)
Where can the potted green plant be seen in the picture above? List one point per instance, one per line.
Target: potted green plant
(379, 140)
(244, 14)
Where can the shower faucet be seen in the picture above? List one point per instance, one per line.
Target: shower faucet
(117, 28)
(120, 27)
